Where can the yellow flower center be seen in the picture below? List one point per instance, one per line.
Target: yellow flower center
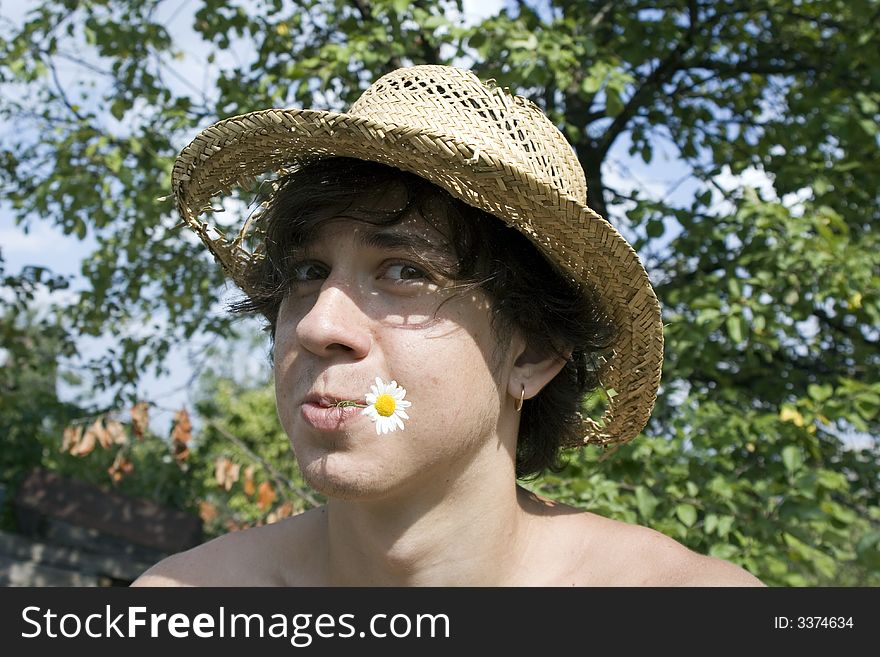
(385, 405)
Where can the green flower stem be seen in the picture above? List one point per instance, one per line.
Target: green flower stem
(347, 402)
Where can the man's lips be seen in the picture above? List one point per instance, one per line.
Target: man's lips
(329, 418)
(327, 400)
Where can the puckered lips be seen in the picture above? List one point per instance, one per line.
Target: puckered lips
(320, 411)
(327, 399)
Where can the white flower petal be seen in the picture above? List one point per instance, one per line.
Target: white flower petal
(387, 424)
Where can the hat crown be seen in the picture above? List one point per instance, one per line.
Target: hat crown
(490, 120)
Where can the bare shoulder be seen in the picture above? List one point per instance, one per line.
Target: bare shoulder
(633, 555)
(215, 563)
(271, 555)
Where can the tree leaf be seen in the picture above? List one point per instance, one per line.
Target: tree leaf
(820, 392)
(791, 457)
(735, 328)
(646, 502)
(687, 513)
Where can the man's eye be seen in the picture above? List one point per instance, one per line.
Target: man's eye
(304, 272)
(404, 271)
(308, 271)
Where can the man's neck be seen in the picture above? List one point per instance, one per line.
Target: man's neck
(473, 530)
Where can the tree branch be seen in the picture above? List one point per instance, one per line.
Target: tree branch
(663, 72)
(61, 92)
(87, 65)
(748, 66)
(601, 14)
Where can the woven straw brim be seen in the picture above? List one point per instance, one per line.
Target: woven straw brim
(233, 152)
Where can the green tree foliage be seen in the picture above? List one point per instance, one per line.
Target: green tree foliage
(770, 293)
(242, 455)
(31, 415)
(33, 419)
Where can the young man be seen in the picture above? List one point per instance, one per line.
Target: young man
(440, 300)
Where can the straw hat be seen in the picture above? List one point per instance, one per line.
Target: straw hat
(491, 149)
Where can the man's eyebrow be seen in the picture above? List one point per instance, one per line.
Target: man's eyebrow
(410, 242)
(390, 241)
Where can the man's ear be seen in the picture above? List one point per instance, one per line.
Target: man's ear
(533, 369)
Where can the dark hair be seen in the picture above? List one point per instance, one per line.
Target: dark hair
(526, 291)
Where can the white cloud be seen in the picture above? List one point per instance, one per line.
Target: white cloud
(761, 181)
(750, 177)
(478, 10)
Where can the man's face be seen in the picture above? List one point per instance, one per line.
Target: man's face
(364, 307)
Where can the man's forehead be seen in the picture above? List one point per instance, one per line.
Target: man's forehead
(412, 231)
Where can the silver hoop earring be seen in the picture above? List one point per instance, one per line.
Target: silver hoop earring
(521, 398)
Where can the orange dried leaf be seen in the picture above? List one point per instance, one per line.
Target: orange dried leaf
(181, 434)
(220, 470)
(232, 476)
(85, 446)
(249, 488)
(72, 436)
(283, 511)
(103, 436)
(120, 467)
(182, 431)
(207, 511)
(265, 496)
(226, 472)
(140, 419)
(116, 432)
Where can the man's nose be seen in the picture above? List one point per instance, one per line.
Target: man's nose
(335, 324)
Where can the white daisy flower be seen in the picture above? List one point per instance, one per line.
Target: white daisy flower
(385, 406)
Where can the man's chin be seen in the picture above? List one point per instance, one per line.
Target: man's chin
(344, 483)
